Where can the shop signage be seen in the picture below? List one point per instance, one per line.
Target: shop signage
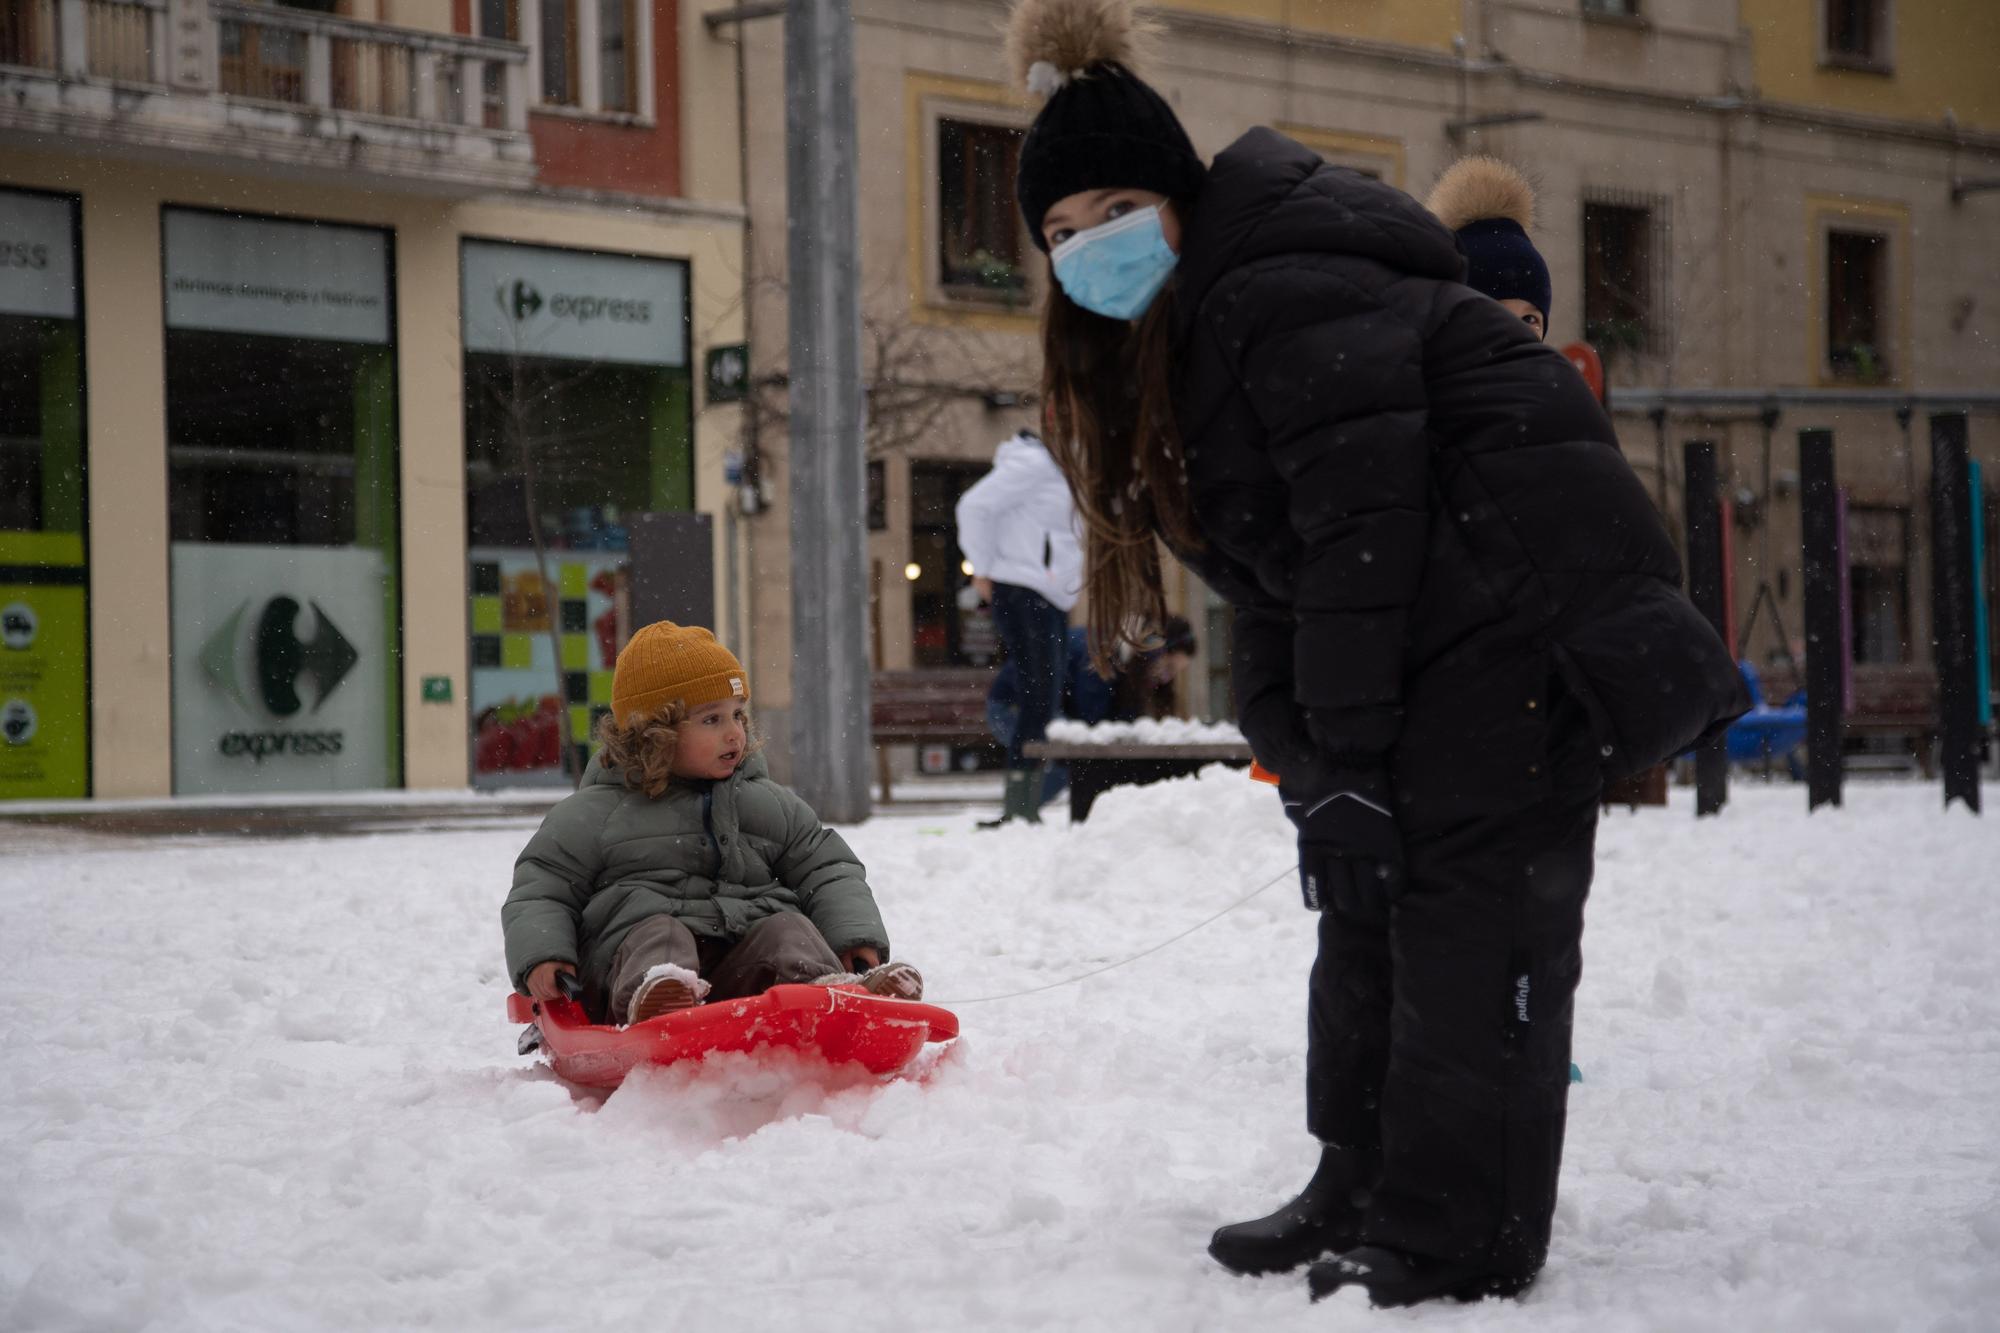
(728, 373)
(37, 255)
(43, 703)
(571, 305)
(287, 279)
(279, 678)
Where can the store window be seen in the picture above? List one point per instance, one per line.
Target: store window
(590, 51)
(578, 417)
(44, 616)
(1620, 260)
(951, 628)
(282, 504)
(981, 246)
(1856, 305)
(1878, 561)
(1856, 33)
(616, 53)
(28, 35)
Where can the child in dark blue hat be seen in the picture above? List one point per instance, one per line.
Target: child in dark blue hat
(1490, 206)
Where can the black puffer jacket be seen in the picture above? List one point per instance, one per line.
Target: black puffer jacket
(1419, 511)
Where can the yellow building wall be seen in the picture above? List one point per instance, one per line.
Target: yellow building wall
(1427, 23)
(125, 424)
(1943, 55)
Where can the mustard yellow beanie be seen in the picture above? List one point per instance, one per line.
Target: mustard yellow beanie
(667, 663)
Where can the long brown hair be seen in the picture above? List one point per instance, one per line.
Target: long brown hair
(1108, 386)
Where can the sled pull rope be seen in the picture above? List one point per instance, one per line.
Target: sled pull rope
(1143, 953)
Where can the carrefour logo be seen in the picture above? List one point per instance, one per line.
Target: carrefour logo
(281, 659)
(522, 301)
(17, 625)
(17, 722)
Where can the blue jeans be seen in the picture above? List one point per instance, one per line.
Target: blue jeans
(1035, 635)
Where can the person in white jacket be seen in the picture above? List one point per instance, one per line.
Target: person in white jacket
(1020, 532)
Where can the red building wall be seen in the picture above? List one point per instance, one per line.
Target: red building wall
(599, 154)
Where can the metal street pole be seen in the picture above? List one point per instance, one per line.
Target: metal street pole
(1705, 584)
(830, 683)
(1826, 647)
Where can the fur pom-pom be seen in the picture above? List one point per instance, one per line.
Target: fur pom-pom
(1068, 37)
(1044, 79)
(1474, 188)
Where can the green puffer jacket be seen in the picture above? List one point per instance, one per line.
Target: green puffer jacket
(718, 856)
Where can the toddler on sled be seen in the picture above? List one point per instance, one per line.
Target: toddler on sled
(679, 872)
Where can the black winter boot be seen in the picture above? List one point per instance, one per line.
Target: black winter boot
(1392, 1277)
(1324, 1218)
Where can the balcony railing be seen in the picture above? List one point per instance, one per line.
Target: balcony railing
(119, 40)
(264, 54)
(28, 33)
(336, 64)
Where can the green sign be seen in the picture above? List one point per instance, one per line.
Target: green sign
(437, 689)
(728, 373)
(44, 692)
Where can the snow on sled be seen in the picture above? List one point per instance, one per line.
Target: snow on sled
(836, 1024)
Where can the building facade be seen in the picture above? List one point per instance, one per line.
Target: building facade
(344, 347)
(1744, 196)
(339, 347)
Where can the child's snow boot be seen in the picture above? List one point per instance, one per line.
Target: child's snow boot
(1324, 1219)
(663, 990)
(1393, 1277)
(898, 981)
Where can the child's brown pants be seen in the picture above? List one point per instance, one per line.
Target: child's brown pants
(780, 949)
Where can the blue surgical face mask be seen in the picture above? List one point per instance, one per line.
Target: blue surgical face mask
(1116, 269)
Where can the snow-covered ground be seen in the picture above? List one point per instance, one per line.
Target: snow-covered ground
(267, 1085)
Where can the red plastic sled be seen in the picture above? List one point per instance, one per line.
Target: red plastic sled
(837, 1024)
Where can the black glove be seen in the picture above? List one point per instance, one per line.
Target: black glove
(1350, 851)
(1276, 730)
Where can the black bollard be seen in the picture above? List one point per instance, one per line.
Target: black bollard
(1951, 609)
(1705, 576)
(1819, 515)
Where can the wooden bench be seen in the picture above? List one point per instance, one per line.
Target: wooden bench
(1889, 701)
(934, 706)
(1096, 768)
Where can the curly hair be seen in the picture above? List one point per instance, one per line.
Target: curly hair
(642, 747)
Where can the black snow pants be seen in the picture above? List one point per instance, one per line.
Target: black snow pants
(1439, 1040)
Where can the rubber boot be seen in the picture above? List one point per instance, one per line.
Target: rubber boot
(1022, 799)
(1324, 1218)
(1394, 1277)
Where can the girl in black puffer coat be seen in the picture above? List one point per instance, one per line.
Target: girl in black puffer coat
(1456, 613)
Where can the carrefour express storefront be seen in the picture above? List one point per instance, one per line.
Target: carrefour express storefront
(306, 486)
(578, 415)
(281, 455)
(44, 663)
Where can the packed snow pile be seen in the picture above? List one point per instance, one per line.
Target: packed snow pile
(269, 1086)
(1145, 731)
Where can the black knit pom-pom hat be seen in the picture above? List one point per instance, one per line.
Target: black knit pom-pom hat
(1490, 206)
(1102, 126)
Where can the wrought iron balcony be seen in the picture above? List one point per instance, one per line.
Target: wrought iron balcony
(227, 79)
